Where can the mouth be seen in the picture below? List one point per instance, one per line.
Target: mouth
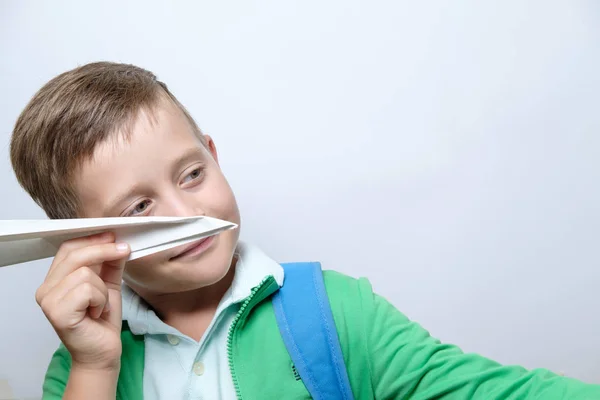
(192, 249)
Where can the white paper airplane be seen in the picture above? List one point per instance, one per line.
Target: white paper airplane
(28, 240)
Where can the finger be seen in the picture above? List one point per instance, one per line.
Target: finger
(77, 277)
(112, 273)
(72, 309)
(87, 297)
(114, 314)
(77, 243)
(87, 256)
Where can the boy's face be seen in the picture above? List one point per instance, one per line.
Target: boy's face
(163, 169)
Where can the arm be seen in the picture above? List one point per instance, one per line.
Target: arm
(64, 382)
(407, 363)
(81, 297)
(91, 384)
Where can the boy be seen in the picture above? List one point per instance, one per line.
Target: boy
(108, 140)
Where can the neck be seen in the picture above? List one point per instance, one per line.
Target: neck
(192, 312)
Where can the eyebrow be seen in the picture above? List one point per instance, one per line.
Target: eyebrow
(112, 205)
(137, 188)
(188, 156)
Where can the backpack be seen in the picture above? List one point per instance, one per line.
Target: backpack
(308, 330)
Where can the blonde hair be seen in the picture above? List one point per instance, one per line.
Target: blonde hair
(68, 117)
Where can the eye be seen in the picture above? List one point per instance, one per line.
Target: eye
(140, 208)
(192, 176)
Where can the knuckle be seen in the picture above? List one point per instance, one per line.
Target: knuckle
(69, 258)
(44, 305)
(52, 313)
(87, 289)
(39, 295)
(67, 247)
(86, 273)
(52, 316)
(104, 290)
(56, 320)
(77, 257)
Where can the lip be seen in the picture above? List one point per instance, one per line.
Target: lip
(192, 249)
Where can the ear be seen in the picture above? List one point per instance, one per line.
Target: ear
(211, 147)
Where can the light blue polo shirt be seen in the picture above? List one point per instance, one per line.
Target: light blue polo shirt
(178, 367)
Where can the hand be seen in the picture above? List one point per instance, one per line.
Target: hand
(81, 297)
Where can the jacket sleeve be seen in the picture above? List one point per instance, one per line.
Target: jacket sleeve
(407, 363)
(57, 374)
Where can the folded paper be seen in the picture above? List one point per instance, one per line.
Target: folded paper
(29, 240)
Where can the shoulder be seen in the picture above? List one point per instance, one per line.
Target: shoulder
(351, 301)
(344, 288)
(354, 299)
(347, 297)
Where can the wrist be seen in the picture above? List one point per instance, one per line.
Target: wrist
(91, 383)
(105, 369)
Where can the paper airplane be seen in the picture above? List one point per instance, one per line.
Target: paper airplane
(28, 240)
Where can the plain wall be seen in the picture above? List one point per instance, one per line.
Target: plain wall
(449, 151)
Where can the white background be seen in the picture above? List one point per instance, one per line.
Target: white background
(447, 150)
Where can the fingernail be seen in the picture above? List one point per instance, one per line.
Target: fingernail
(107, 307)
(122, 247)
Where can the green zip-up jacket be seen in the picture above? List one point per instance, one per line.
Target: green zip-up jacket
(387, 357)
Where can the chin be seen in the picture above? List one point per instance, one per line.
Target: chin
(185, 274)
(180, 280)
(208, 271)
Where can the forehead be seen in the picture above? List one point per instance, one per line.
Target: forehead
(136, 157)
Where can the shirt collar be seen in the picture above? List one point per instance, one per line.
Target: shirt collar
(252, 267)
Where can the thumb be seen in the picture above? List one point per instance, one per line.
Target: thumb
(112, 275)
(115, 314)
(112, 271)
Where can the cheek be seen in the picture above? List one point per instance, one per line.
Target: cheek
(219, 200)
(142, 267)
(232, 212)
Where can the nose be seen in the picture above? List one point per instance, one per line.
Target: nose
(180, 205)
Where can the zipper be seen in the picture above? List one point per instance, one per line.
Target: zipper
(257, 294)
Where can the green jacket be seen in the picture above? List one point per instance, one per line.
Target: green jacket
(387, 357)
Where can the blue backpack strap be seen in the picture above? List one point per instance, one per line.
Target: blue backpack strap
(306, 324)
